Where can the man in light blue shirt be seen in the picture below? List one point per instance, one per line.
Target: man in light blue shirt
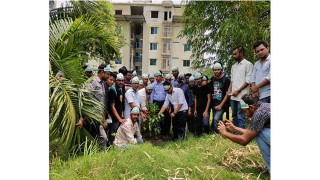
(158, 93)
(158, 96)
(260, 80)
(175, 73)
(175, 96)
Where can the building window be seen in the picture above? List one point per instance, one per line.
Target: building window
(167, 31)
(186, 47)
(154, 30)
(186, 63)
(166, 47)
(154, 14)
(167, 15)
(119, 61)
(153, 46)
(153, 62)
(118, 12)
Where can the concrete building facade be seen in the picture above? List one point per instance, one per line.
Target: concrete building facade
(151, 34)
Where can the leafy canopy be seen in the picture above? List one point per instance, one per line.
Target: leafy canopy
(216, 27)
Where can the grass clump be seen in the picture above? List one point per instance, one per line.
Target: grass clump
(206, 157)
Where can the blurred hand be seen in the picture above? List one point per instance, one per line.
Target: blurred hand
(218, 108)
(80, 122)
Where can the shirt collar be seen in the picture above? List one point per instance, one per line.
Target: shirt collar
(97, 79)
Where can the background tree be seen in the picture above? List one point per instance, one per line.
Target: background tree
(217, 27)
(87, 29)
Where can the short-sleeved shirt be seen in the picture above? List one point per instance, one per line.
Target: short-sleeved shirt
(117, 97)
(201, 94)
(261, 118)
(130, 96)
(219, 89)
(177, 97)
(261, 72)
(126, 132)
(241, 73)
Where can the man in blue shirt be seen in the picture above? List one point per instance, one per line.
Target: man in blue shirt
(175, 73)
(158, 96)
(260, 80)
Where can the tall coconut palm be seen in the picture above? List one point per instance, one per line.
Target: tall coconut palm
(70, 41)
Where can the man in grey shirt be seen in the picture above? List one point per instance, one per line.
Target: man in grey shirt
(260, 80)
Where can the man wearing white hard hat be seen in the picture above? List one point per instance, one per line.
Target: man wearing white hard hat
(116, 106)
(127, 131)
(144, 98)
(158, 96)
(202, 101)
(175, 73)
(145, 80)
(131, 97)
(220, 99)
(151, 78)
(175, 96)
(191, 118)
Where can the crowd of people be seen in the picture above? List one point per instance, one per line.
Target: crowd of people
(186, 101)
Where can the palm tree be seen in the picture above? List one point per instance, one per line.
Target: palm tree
(71, 39)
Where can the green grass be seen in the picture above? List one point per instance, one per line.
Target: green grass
(206, 157)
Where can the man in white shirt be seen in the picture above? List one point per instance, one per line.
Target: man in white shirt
(144, 97)
(175, 96)
(131, 97)
(128, 130)
(240, 79)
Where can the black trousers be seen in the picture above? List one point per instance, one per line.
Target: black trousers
(191, 121)
(165, 124)
(201, 125)
(179, 124)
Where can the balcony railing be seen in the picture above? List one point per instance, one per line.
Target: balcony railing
(137, 58)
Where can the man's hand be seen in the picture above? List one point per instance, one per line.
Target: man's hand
(189, 112)
(235, 93)
(104, 124)
(222, 128)
(218, 108)
(172, 115)
(195, 113)
(80, 122)
(205, 114)
(122, 121)
(254, 88)
(229, 125)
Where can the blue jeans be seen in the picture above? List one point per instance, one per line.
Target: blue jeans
(263, 141)
(265, 100)
(217, 116)
(238, 116)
